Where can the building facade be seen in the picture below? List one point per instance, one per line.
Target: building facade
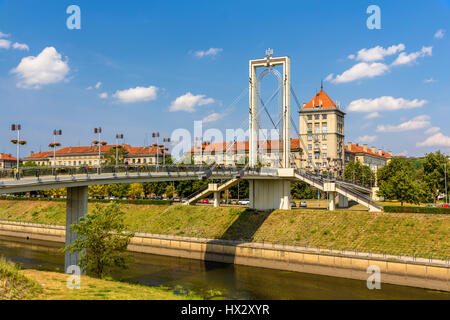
(371, 157)
(7, 161)
(322, 135)
(89, 156)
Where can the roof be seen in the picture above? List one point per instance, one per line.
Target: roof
(7, 157)
(67, 151)
(322, 100)
(244, 146)
(356, 148)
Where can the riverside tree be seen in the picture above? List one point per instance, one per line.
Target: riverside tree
(404, 188)
(102, 240)
(434, 174)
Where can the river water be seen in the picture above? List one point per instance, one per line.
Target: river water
(232, 281)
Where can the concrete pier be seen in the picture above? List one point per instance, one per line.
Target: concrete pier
(342, 202)
(269, 194)
(76, 207)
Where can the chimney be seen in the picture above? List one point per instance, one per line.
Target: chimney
(31, 153)
(390, 153)
(373, 150)
(303, 105)
(380, 152)
(365, 147)
(349, 146)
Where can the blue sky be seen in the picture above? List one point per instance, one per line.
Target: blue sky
(163, 64)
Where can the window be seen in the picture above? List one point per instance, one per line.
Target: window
(317, 155)
(317, 137)
(309, 138)
(317, 116)
(309, 146)
(324, 127)
(324, 146)
(324, 116)
(145, 160)
(324, 155)
(324, 137)
(317, 128)
(310, 155)
(309, 125)
(316, 146)
(309, 117)
(324, 164)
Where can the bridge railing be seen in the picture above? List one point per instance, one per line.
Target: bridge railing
(360, 196)
(41, 172)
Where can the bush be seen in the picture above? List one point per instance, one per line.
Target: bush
(400, 209)
(140, 201)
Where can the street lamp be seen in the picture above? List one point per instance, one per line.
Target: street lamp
(156, 135)
(165, 140)
(118, 136)
(445, 175)
(55, 144)
(18, 142)
(99, 132)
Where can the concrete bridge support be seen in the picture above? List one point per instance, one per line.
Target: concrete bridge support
(269, 194)
(76, 207)
(331, 200)
(216, 199)
(342, 202)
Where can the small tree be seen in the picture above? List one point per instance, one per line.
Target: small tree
(102, 240)
(170, 190)
(403, 188)
(136, 190)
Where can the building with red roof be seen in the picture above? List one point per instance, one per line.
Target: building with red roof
(371, 157)
(7, 161)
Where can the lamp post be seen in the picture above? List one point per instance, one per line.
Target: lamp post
(18, 142)
(55, 144)
(156, 135)
(165, 140)
(118, 136)
(445, 175)
(99, 132)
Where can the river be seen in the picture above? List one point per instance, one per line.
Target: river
(232, 281)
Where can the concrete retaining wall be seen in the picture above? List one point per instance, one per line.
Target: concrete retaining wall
(408, 271)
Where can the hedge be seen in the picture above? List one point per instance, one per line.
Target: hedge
(401, 209)
(139, 201)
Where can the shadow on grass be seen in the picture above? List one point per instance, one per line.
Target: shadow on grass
(241, 230)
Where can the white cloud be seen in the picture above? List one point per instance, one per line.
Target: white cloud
(212, 117)
(385, 103)
(359, 71)
(437, 140)
(103, 95)
(138, 94)
(376, 53)
(44, 69)
(97, 86)
(188, 102)
(20, 46)
(439, 34)
(404, 58)
(372, 115)
(432, 130)
(3, 35)
(5, 44)
(210, 52)
(418, 122)
(431, 80)
(366, 139)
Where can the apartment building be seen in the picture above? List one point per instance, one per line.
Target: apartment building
(371, 157)
(322, 135)
(7, 161)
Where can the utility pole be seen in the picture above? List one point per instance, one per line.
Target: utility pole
(118, 136)
(99, 132)
(17, 127)
(156, 135)
(54, 145)
(445, 175)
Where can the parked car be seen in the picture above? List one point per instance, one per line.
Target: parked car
(244, 202)
(235, 202)
(293, 204)
(211, 201)
(205, 201)
(303, 204)
(176, 200)
(444, 205)
(430, 206)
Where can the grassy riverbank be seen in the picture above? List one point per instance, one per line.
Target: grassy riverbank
(16, 284)
(394, 233)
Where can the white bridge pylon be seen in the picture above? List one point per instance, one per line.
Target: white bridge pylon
(285, 108)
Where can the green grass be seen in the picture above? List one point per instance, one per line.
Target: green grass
(424, 235)
(14, 285)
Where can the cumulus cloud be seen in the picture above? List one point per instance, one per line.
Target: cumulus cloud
(210, 52)
(97, 86)
(212, 117)
(5, 44)
(437, 140)
(103, 95)
(20, 46)
(439, 34)
(366, 139)
(138, 94)
(46, 68)
(432, 130)
(418, 122)
(385, 103)
(404, 58)
(3, 35)
(372, 115)
(359, 71)
(188, 102)
(376, 53)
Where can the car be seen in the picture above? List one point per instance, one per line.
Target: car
(430, 206)
(302, 204)
(244, 202)
(205, 201)
(176, 199)
(211, 201)
(444, 205)
(293, 204)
